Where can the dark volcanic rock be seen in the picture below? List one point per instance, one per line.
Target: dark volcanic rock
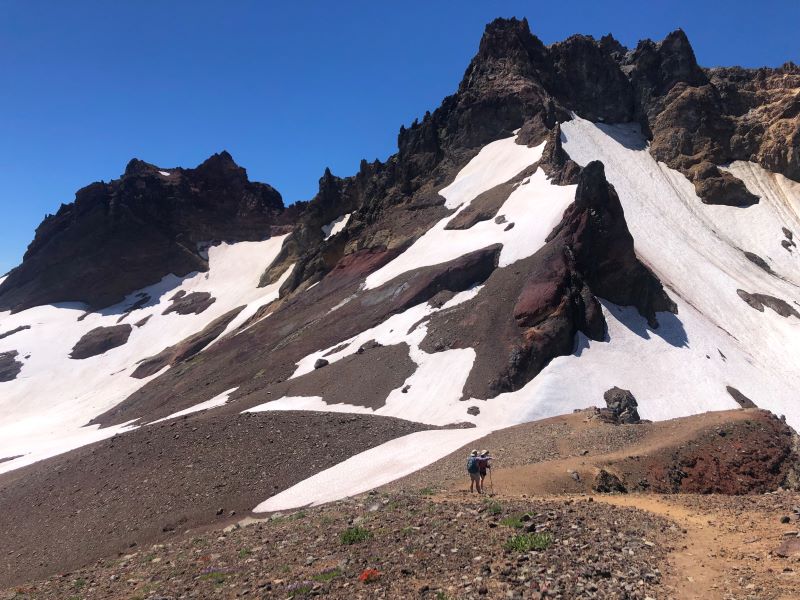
(529, 312)
(320, 362)
(485, 206)
(187, 304)
(560, 168)
(608, 483)
(759, 301)
(13, 331)
(759, 262)
(123, 235)
(9, 365)
(621, 407)
(100, 340)
(740, 398)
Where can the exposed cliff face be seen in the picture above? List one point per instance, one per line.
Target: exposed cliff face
(531, 311)
(123, 235)
(696, 119)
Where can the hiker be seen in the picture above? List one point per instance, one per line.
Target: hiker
(474, 472)
(483, 465)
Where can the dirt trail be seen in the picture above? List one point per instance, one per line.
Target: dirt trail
(697, 570)
(729, 544)
(727, 554)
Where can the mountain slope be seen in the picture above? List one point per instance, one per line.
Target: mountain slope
(574, 218)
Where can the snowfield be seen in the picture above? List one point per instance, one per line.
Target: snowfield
(43, 412)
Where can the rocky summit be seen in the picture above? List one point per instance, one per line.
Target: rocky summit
(584, 261)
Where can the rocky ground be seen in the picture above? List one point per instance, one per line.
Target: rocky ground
(150, 485)
(397, 546)
(540, 531)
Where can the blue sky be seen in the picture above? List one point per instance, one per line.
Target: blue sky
(288, 88)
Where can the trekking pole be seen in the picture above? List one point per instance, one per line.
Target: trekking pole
(491, 481)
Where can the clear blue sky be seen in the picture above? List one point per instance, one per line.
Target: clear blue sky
(287, 87)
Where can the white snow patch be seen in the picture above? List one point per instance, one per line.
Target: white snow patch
(335, 226)
(370, 469)
(696, 251)
(44, 410)
(496, 163)
(164, 173)
(535, 207)
(312, 403)
(214, 402)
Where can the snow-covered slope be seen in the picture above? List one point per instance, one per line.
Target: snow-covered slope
(682, 368)
(44, 410)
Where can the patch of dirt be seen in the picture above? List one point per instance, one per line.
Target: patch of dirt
(100, 340)
(759, 301)
(364, 379)
(13, 331)
(186, 304)
(731, 546)
(152, 484)
(9, 365)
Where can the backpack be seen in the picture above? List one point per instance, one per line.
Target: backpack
(472, 464)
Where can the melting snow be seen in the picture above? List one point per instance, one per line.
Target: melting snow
(335, 226)
(43, 412)
(376, 466)
(216, 401)
(496, 163)
(535, 207)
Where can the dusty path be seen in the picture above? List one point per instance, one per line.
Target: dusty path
(729, 548)
(697, 568)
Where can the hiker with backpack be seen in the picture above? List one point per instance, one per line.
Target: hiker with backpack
(483, 465)
(473, 469)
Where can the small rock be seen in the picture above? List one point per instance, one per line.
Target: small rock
(320, 362)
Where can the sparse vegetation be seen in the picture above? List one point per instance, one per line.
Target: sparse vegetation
(514, 522)
(526, 542)
(299, 589)
(327, 575)
(427, 491)
(354, 535)
(244, 553)
(493, 507)
(216, 577)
